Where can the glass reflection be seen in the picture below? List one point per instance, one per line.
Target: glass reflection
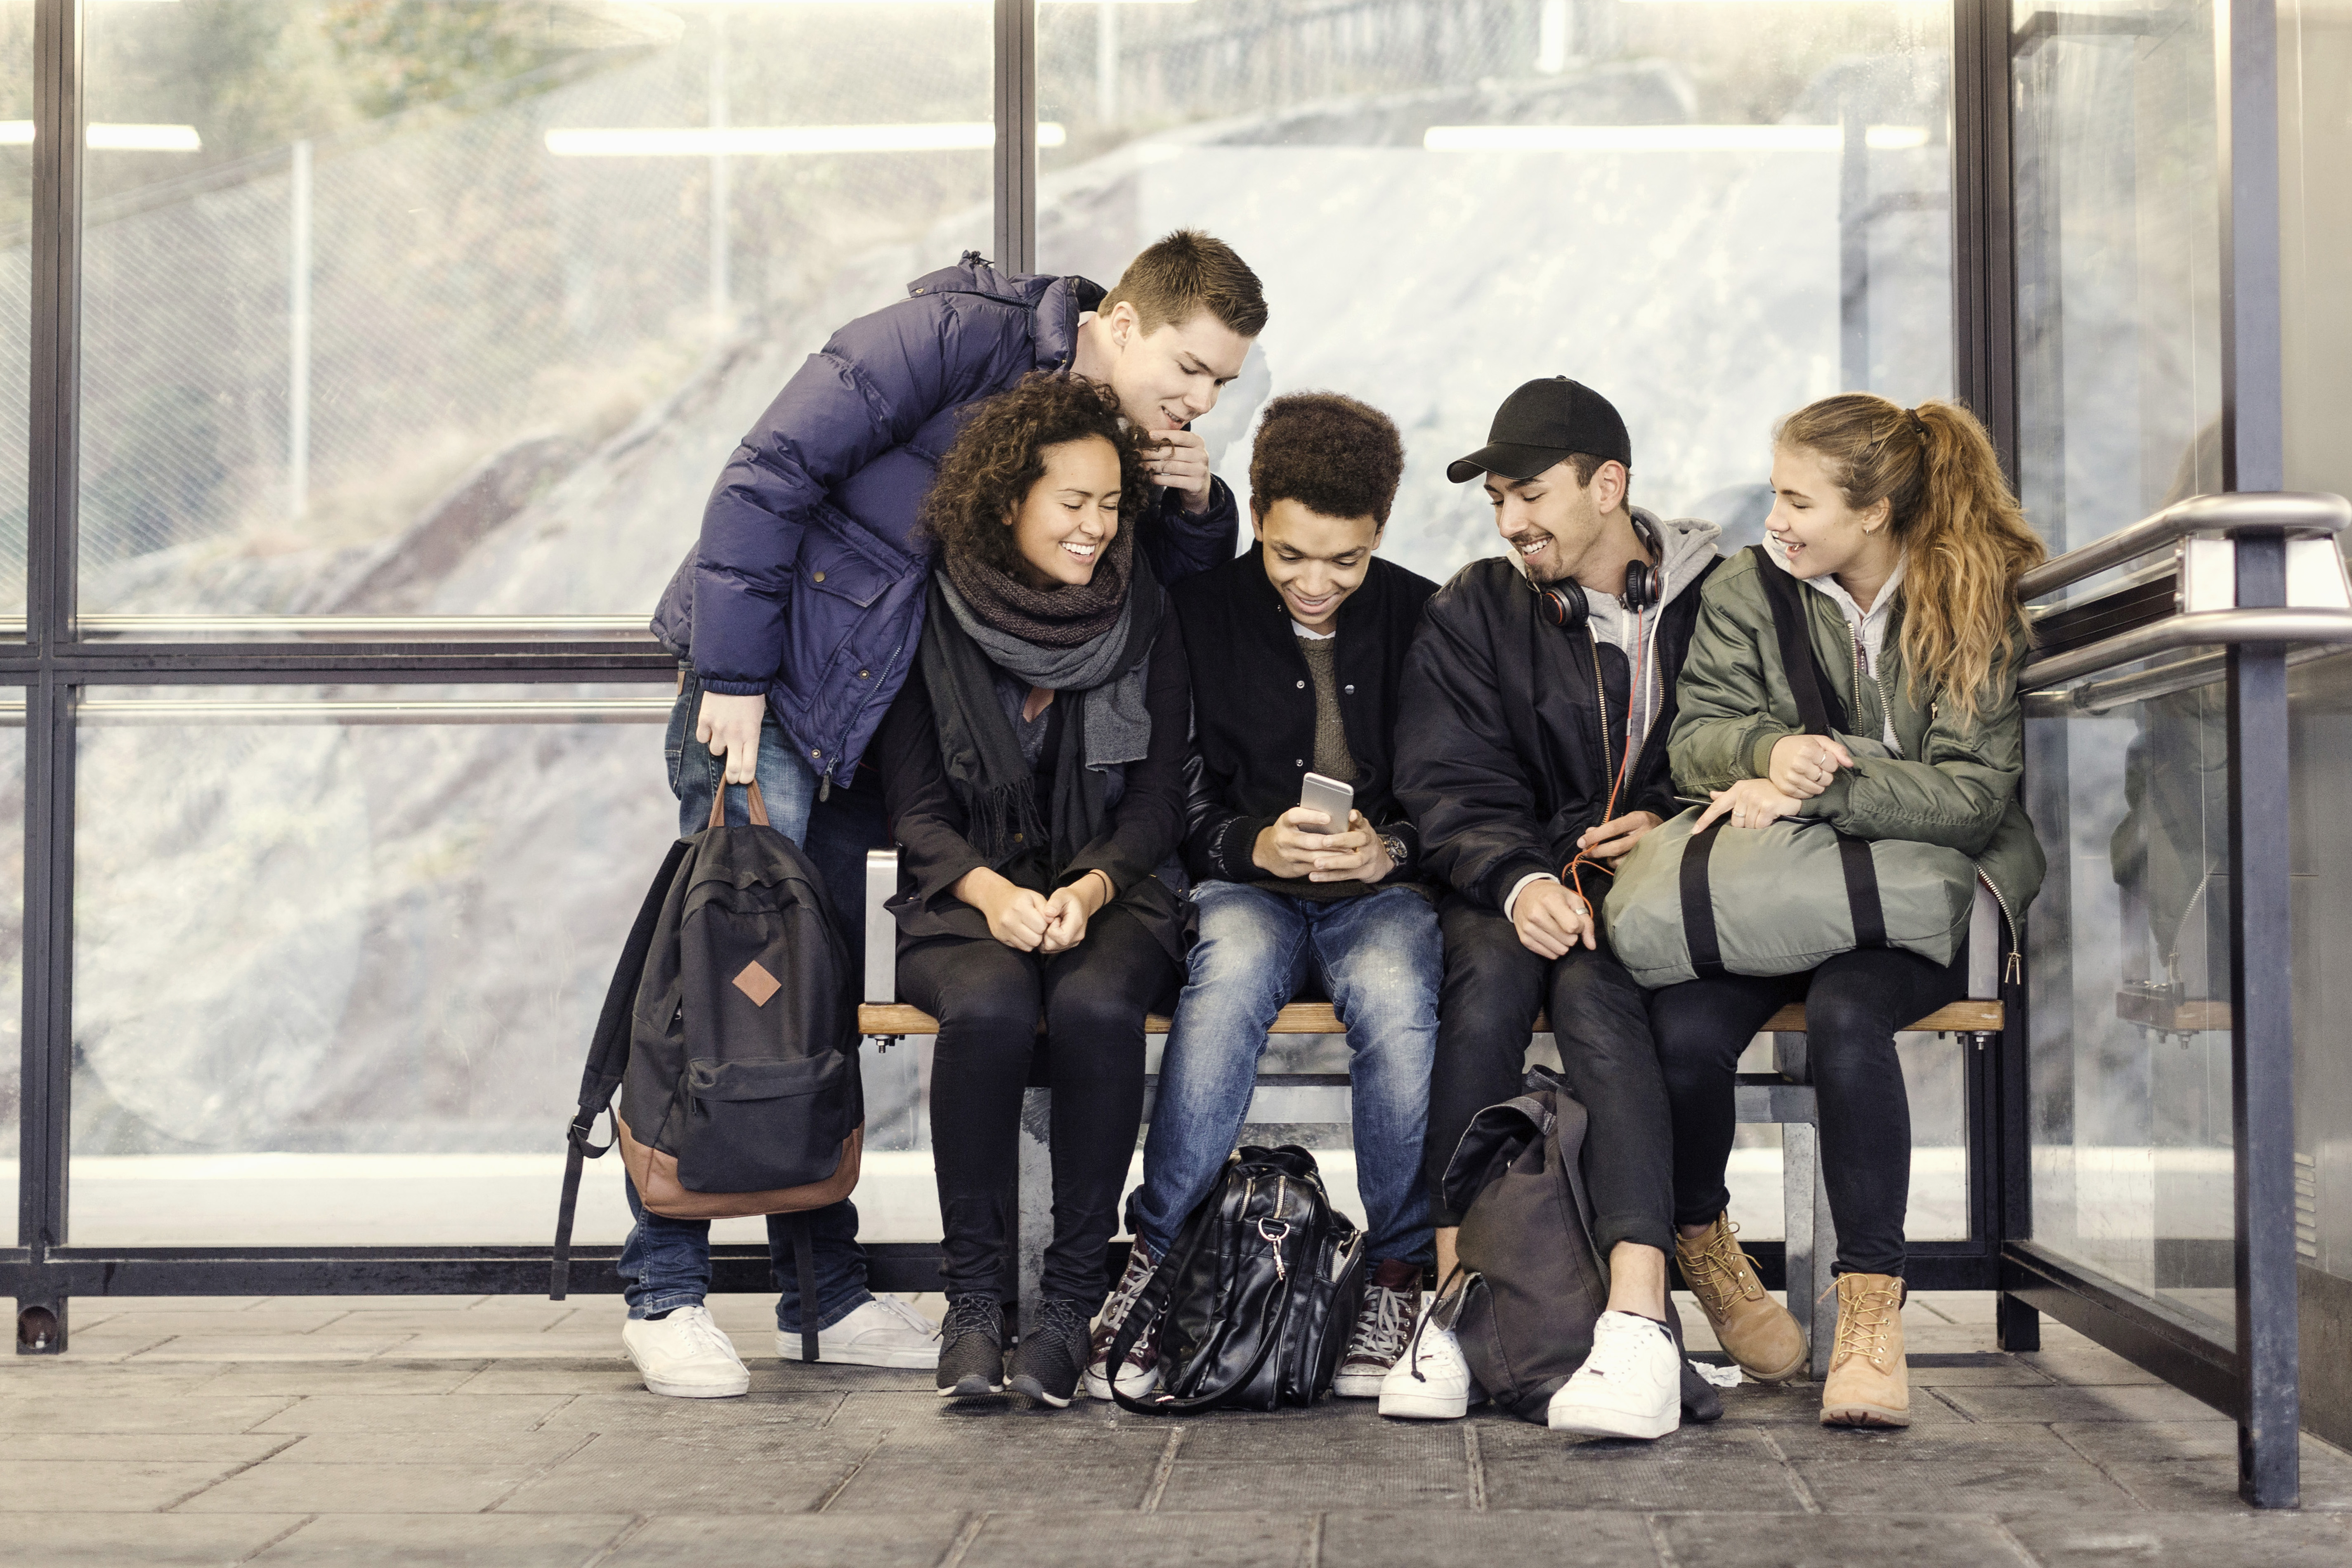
(399, 307)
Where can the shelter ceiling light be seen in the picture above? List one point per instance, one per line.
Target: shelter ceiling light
(711, 140)
(115, 138)
(1661, 138)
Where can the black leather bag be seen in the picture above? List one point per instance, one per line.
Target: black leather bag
(1257, 1295)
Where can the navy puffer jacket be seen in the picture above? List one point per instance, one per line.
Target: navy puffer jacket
(807, 582)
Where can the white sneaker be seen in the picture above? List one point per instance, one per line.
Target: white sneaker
(885, 1332)
(1629, 1386)
(686, 1356)
(1430, 1381)
(1139, 1374)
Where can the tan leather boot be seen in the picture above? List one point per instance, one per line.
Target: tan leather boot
(1868, 1385)
(1753, 1329)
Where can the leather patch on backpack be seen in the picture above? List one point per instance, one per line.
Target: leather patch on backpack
(757, 983)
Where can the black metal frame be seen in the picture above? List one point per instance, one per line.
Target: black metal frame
(2256, 1384)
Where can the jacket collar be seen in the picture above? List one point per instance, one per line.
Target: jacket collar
(1055, 302)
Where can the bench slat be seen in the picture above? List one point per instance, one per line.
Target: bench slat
(1320, 1018)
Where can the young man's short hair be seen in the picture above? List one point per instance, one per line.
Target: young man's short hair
(1329, 453)
(1171, 280)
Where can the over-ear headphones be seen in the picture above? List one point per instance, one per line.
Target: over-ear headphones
(1565, 605)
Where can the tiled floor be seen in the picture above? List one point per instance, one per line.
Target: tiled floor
(509, 1432)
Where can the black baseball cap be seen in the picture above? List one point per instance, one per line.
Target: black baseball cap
(1542, 423)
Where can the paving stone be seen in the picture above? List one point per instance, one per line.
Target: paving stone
(386, 1303)
(446, 1540)
(1989, 1371)
(261, 1320)
(2120, 1403)
(273, 1488)
(1800, 1404)
(574, 1374)
(1257, 1540)
(643, 1412)
(821, 1541)
(2272, 1540)
(414, 1412)
(1594, 1473)
(2086, 1364)
(190, 1413)
(2135, 1441)
(177, 1448)
(462, 1341)
(343, 1377)
(1349, 1441)
(1955, 1440)
(535, 1318)
(1723, 1540)
(86, 1380)
(263, 1345)
(1309, 1481)
(895, 1479)
(106, 1485)
(1417, 1540)
(150, 1540)
(1954, 1306)
(537, 1449)
(2211, 1486)
(1981, 1478)
(649, 1475)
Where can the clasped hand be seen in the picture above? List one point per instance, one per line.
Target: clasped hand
(1801, 767)
(1300, 843)
(1030, 921)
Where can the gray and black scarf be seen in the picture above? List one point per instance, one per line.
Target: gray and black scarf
(969, 635)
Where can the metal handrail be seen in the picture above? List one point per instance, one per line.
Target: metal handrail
(630, 628)
(2096, 697)
(2284, 511)
(2202, 628)
(116, 711)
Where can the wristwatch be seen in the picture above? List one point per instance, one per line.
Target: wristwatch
(1394, 844)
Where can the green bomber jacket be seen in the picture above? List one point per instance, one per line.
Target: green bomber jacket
(1955, 785)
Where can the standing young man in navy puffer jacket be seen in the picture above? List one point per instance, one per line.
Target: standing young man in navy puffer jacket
(796, 615)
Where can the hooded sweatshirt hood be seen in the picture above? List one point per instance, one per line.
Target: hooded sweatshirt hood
(1684, 545)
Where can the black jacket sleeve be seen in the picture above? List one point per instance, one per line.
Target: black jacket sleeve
(1458, 773)
(1219, 843)
(925, 816)
(1181, 543)
(1148, 823)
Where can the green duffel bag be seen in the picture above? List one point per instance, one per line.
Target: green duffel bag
(1779, 899)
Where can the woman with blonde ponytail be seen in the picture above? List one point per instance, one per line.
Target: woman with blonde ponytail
(1899, 524)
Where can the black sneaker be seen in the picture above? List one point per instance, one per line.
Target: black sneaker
(971, 1349)
(1052, 1355)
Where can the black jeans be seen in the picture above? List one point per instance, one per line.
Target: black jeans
(1493, 988)
(987, 997)
(1853, 1004)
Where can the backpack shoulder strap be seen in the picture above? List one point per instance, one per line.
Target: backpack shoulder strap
(1818, 703)
(608, 1059)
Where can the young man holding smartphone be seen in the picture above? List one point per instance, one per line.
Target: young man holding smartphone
(1542, 690)
(1297, 648)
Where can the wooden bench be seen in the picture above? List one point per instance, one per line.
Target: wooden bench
(1783, 1097)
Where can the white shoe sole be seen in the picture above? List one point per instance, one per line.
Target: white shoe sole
(1592, 1421)
(788, 1348)
(1030, 1389)
(697, 1389)
(1424, 1406)
(1100, 1388)
(1360, 1386)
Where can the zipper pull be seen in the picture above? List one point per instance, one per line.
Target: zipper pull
(2016, 970)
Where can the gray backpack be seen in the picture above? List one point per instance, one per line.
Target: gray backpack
(1531, 1283)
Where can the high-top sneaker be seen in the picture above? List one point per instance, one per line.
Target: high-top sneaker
(1868, 1385)
(1139, 1374)
(1383, 1323)
(1753, 1329)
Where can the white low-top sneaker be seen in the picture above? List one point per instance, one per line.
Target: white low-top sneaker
(1430, 1381)
(885, 1332)
(1629, 1387)
(686, 1355)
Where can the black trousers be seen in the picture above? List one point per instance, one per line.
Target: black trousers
(1853, 1004)
(987, 998)
(1493, 988)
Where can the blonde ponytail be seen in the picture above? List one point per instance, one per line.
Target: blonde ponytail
(1965, 541)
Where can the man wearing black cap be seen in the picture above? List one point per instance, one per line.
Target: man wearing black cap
(1541, 689)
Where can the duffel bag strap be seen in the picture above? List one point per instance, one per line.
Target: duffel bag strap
(1862, 891)
(1699, 904)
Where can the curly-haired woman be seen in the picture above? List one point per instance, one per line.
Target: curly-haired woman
(1901, 527)
(1033, 771)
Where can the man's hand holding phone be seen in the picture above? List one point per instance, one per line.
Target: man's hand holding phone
(1291, 845)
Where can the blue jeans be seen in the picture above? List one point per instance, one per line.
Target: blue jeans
(666, 1262)
(1380, 958)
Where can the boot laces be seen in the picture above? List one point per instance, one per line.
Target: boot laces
(1383, 1323)
(1864, 1316)
(1716, 1270)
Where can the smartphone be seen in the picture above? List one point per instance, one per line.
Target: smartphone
(1329, 796)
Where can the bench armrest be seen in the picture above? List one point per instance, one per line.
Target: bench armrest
(881, 929)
